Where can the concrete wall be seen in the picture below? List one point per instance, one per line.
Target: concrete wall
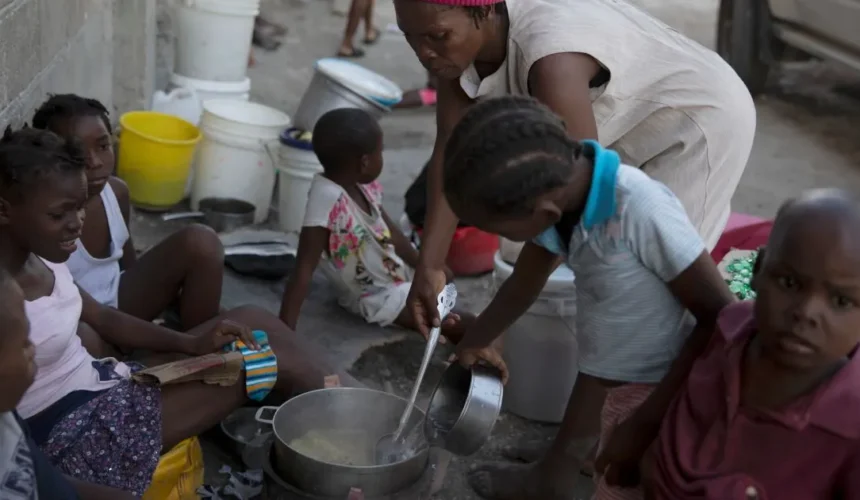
(74, 46)
(134, 56)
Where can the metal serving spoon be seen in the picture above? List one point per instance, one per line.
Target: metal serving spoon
(390, 448)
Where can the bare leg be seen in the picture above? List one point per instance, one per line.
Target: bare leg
(189, 265)
(529, 451)
(191, 408)
(371, 34)
(551, 478)
(356, 11)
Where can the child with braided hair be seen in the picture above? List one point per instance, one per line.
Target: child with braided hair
(186, 269)
(648, 293)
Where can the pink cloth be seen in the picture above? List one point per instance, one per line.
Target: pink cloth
(63, 365)
(620, 403)
(464, 3)
(744, 232)
(711, 448)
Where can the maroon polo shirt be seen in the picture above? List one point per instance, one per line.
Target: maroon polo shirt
(712, 448)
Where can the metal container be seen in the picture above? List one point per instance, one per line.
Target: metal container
(251, 439)
(374, 413)
(226, 214)
(463, 408)
(325, 94)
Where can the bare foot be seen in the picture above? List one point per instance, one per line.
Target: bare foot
(529, 451)
(502, 481)
(348, 52)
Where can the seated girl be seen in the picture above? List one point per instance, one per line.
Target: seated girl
(93, 422)
(25, 472)
(772, 409)
(186, 268)
(364, 253)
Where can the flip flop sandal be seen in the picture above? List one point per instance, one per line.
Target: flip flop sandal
(353, 54)
(373, 37)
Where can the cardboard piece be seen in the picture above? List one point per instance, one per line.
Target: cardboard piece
(217, 368)
(734, 254)
(331, 381)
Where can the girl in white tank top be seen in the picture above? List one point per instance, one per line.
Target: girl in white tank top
(184, 270)
(100, 277)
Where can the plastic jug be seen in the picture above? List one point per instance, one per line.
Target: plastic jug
(181, 102)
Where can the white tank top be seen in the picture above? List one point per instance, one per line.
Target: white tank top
(100, 277)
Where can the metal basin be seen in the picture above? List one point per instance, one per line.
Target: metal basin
(463, 408)
(325, 94)
(373, 413)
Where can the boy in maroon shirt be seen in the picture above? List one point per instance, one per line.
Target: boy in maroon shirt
(772, 409)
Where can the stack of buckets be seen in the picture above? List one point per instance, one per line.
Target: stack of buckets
(238, 150)
(213, 44)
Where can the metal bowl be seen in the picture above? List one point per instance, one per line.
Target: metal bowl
(226, 214)
(251, 439)
(463, 408)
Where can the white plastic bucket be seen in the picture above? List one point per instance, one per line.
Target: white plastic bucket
(210, 89)
(540, 348)
(214, 38)
(237, 156)
(296, 169)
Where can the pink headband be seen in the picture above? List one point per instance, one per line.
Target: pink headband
(464, 3)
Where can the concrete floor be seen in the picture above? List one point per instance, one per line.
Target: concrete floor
(805, 139)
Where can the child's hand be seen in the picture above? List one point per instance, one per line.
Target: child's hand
(224, 333)
(468, 356)
(619, 460)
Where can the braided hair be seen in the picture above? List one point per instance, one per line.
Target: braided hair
(505, 153)
(29, 155)
(61, 107)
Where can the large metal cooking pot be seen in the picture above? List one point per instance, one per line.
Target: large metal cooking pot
(375, 413)
(326, 93)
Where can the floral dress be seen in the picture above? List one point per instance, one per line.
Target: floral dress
(360, 260)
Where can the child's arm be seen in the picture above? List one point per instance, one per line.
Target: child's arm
(312, 243)
(128, 332)
(534, 266)
(120, 190)
(402, 246)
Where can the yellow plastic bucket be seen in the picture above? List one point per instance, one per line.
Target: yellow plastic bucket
(179, 473)
(155, 155)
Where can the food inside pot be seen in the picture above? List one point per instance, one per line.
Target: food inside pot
(351, 447)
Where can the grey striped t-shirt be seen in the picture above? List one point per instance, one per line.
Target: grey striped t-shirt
(630, 327)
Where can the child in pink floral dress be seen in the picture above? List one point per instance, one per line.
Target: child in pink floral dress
(347, 231)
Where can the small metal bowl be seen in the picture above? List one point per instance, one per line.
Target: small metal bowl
(463, 408)
(251, 439)
(226, 214)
